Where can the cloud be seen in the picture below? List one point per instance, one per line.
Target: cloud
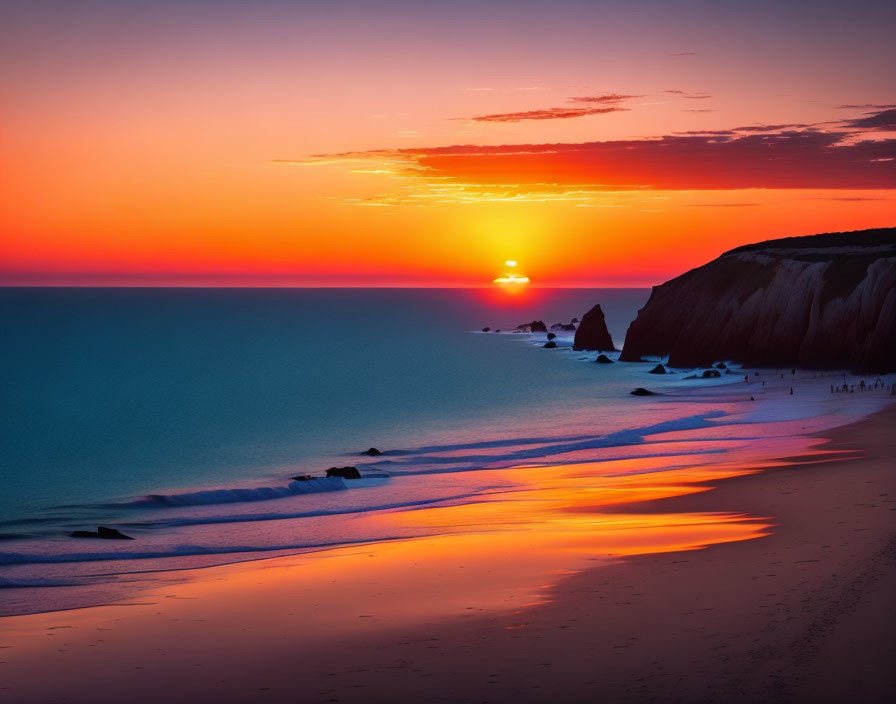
(867, 106)
(699, 110)
(684, 53)
(691, 96)
(546, 114)
(809, 159)
(721, 205)
(605, 98)
(882, 120)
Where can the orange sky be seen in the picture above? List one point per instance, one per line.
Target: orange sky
(297, 143)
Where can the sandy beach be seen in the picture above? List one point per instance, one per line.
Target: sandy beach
(801, 613)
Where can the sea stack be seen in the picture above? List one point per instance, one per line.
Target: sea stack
(822, 301)
(592, 333)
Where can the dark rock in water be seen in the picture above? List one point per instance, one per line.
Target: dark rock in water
(344, 472)
(574, 320)
(568, 327)
(823, 301)
(302, 478)
(643, 392)
(497, 331)
(101, 532)
(592, 334)
(658, 369)
(373, 452)
(603, 359)
(557, 326)
(486, 328)
(711, 374)
(550, 344)
(721, 365)
(534, 326)
(551, 336)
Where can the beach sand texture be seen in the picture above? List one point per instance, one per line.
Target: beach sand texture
(803, 614)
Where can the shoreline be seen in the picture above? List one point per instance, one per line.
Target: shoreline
(548, 645)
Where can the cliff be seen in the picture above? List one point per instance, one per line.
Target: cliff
(592, 333)
(822, 301)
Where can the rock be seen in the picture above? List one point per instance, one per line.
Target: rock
(344, 472)
(550, 344)
(551, 336)
(711, 374)
(373, 452)
(721, 365)
(101, 532)
(643, 392)
(823, 301)
(574, 320)
(302, 478)
(534, 326)
(568, 327)
(658, 369)
(603, 359)
(592, 333)
(557, 326)
(486, 328)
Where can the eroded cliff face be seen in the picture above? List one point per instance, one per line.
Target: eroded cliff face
(824, 301)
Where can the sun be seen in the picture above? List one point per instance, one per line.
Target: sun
(510, 278)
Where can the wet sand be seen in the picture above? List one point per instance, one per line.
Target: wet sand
(803, 614)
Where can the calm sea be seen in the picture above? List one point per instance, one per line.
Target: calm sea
(179, 415)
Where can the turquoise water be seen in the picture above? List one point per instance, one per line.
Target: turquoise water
(179, 417)
(115, 393)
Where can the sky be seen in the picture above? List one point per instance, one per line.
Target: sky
(423, 144)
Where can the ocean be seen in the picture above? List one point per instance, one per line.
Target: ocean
(179, 417)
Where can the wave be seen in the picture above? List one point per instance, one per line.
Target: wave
(33, 583)
(289, 515)
(540, 448)
(19, 558)
(262, 493)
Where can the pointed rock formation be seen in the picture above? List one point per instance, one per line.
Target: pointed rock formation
(823, 301)
(592, 333)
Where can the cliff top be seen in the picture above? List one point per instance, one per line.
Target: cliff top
(881, 240)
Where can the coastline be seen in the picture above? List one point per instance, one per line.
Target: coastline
(669, 625)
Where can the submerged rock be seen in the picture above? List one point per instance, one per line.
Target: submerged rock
(550, 344)
(551, 336)
(373, 452)
(603, 359)
(721, 365)
(643, 392)
(344, 472)
(658, 369)
(711, 374)
(302, 478)
(592, 334)
(101, 532)
(486, 328)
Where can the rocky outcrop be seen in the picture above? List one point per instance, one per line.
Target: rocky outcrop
(101, 532)
(344, 472)
(534, 326)
(823, 301)
(603, 359)
(592, 333)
